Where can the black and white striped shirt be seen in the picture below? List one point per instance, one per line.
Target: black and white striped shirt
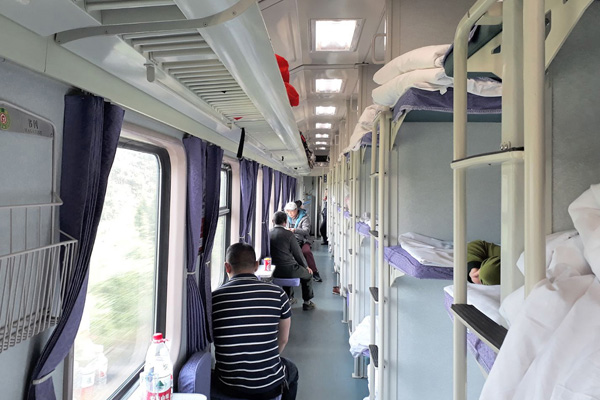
(246, 314)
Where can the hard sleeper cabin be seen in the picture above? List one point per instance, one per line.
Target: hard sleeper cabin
(140, 138)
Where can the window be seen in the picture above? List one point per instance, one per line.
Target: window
(125, 300)
(217, 261)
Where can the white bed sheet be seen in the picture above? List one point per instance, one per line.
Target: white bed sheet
(485, 297)
(428, 250)
(552, 350)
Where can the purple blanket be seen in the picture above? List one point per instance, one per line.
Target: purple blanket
(484, 355)
(402, 260)
(363, 229)
(418, 99)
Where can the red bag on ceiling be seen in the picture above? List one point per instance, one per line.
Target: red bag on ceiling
(293, 95)
(284, 68)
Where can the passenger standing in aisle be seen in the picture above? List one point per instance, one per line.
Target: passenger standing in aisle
(299, 223)
(251, 324)
(288, 259)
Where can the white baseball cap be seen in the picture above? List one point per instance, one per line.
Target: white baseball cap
(291, 206)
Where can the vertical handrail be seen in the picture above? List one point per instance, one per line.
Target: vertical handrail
(512, 214)
(373, 258)
(534, 121)
(384, 276)
(460, 197)
(343, 236)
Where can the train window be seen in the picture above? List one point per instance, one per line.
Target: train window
(222, 234)
(124, 303)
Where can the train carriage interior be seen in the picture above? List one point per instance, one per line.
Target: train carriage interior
(445, 154)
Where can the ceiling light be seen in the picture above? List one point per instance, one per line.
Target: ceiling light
(322, 135)
(328, 85)
(321, 148)
(320, 142)
(322, 110)
(335, 35)
(321, 125)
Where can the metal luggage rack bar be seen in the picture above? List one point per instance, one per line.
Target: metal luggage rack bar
(34, 271)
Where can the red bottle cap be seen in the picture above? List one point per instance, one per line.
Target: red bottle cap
(158, 337)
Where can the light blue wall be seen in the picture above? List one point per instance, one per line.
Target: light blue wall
(576, 116)
(22, 177)
(25, 166)
(421, 186)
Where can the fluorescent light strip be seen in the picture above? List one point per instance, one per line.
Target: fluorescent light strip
(334, 35)
(328, 85)
(323, 110)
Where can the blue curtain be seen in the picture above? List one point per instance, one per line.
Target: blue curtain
(197, 330)
(292, 188)
(214, 159)
(267, 178)
(285, 190)
(91, 134)
(248, 174)
(276, 190)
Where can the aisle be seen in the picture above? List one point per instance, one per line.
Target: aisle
(319, 342)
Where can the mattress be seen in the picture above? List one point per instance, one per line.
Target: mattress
(400, 259)
(424, 100)
(363, 229)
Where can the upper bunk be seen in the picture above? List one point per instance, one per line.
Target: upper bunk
(485, 39)
(192, 65)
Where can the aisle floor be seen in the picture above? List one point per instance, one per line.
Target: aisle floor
(318, 342)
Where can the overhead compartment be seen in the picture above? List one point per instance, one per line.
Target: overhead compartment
(212, 61)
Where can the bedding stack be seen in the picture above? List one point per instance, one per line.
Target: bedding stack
(423, 69)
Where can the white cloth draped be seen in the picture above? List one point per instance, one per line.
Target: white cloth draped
(552, 350)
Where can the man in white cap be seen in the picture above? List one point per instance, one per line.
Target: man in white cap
(299, 223)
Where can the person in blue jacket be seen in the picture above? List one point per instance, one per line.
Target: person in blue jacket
(299, 223)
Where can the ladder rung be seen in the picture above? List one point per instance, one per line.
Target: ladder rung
(374, 352)
(374, 175)
(481, 325)
(497, 157)
(374, 293)
(374, 233)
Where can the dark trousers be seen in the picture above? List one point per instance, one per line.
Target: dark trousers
(323, 230)
(291, 377)
(310, 259)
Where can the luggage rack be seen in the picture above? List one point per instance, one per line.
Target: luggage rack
(35, 263)
(34, 273)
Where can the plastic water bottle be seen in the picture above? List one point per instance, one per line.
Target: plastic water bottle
(157, 378)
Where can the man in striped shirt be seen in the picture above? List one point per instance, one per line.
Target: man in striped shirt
(251, 325)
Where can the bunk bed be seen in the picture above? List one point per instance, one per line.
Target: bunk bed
(548, 24)
(484, 51)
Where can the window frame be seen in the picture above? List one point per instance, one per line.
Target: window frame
(126, 388)
(226, 211)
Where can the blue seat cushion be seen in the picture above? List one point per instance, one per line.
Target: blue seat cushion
(286, 281)
(194, 376)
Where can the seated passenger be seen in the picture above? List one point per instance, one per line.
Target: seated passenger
(483, 263)
(299, 222)
(288, 259)
(251, 324)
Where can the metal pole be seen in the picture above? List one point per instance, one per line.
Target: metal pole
(533, 71)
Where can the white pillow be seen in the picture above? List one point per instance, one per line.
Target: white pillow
(431, 79)
(368, 116)
(424, 57)
(484, 87)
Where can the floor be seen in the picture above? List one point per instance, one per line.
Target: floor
(318, 342)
